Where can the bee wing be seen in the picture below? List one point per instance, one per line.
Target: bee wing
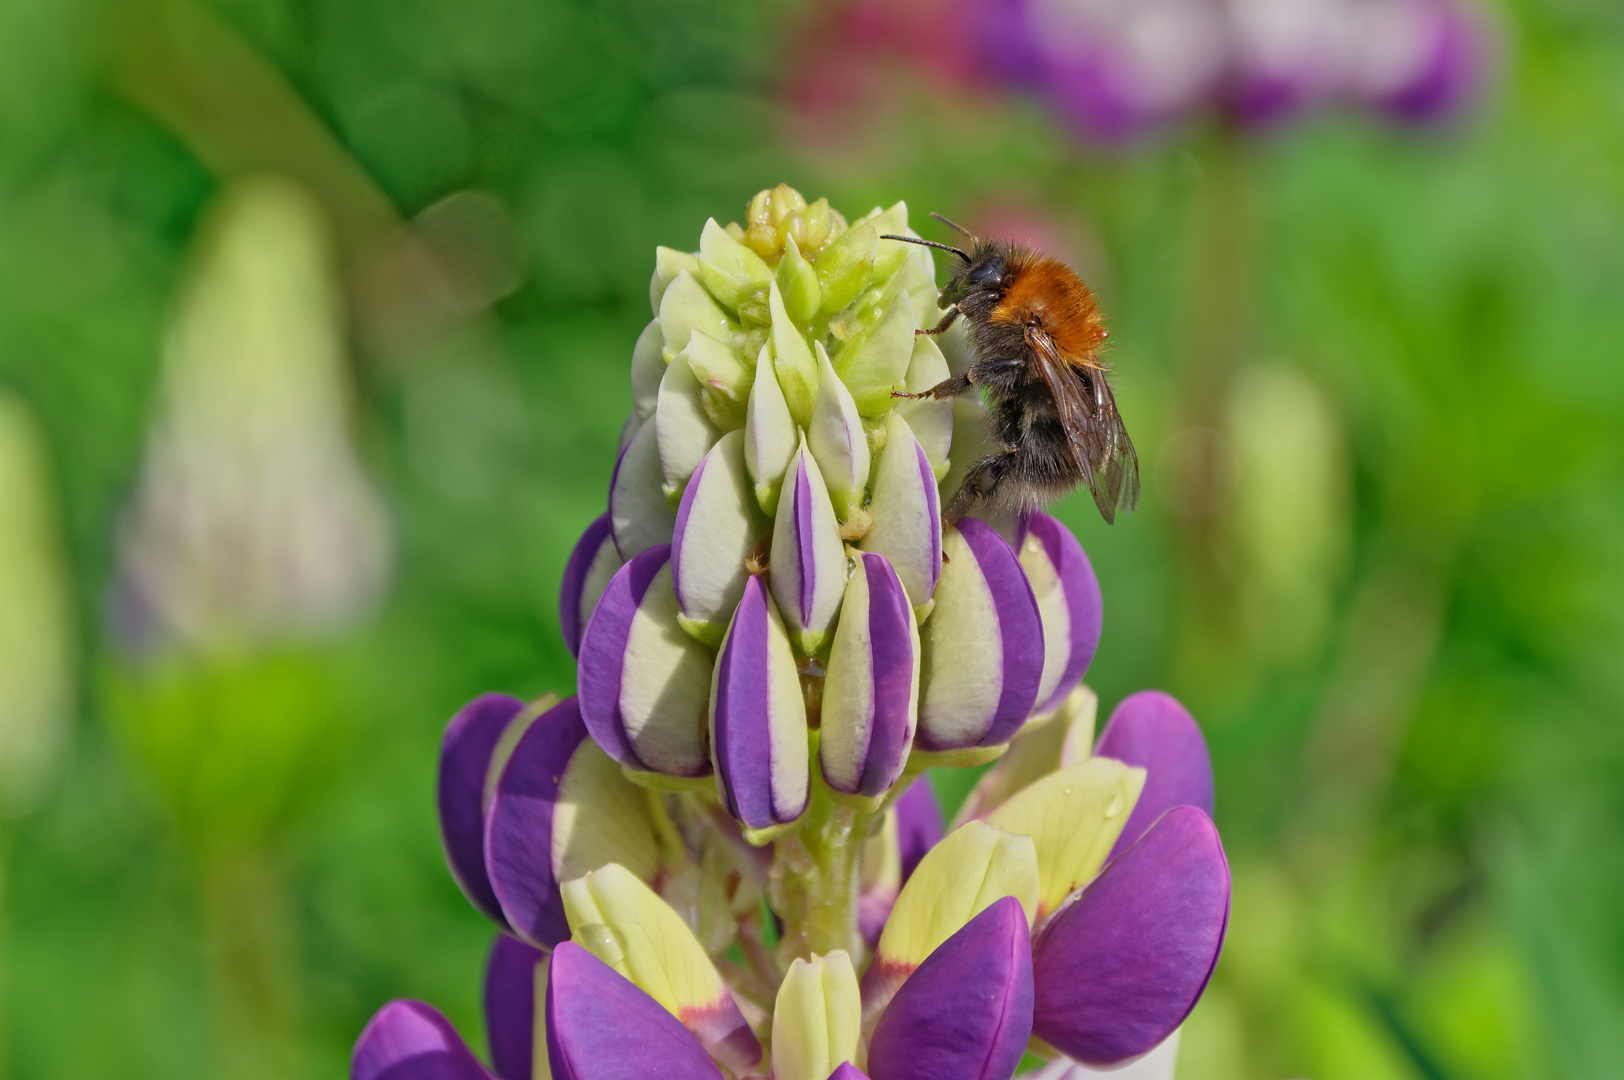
(1099, 440)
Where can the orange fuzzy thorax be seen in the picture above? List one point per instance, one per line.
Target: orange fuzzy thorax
(1047, 293)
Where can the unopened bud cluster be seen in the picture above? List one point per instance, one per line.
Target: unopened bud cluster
(773, 562)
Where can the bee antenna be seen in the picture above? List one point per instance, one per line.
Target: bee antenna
(953, 225)
(926, 243)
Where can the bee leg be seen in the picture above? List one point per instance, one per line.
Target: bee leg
(941, 327)
(947, 388)
(978, 483)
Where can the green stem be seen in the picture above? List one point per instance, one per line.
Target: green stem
(815, 876)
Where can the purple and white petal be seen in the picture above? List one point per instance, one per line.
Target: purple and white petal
(518, 829)
(919, 824)
(907, 525)
(602, 1027)
(808, 558)
(639, 515)
(758, 718)
(510, 1006)
(718, 529)
(465, 761)
(1068, 597)
(871, 692)
(837, 439)
(1124, 960)
(966, 1012)
(408, 1040)
(1153, 731)
(644, 682)
(591, 564)
(770, 437)
(982, 646)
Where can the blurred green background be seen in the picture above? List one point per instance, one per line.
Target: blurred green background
(1376, 378)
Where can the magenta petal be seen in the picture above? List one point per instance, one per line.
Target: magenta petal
(603, 652)
(1152, 731)
(759, 789)
(595, 549)
(1083, 603)
(602, 1027)
(919, 824)
(408, 1040)
(966, 1012)
(1122, 962)
(510, 1006)
(465, 758)
(519, 825)
(848, 1071)
(1020, 628)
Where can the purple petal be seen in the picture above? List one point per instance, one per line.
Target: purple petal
(594, 554)
(670, 684)
(758, 721)
(465, 758)
(602, 1027)
(1152, 731)
(1123, 961)
(1081, 614)
(1452, 67)
(408, 1040)
(519, 825)
(919, 824)
(966, 1012)
(1017, 653)
(510, 1006)
(870, 703)
(848, 1071)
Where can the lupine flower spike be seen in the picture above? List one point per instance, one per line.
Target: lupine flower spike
(719, 857)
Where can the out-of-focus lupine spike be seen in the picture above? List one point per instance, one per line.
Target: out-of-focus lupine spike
(510, 1006)
(871, 693)
(982, 646)
(1123, 961)
(919, 824)
(408, 1040)
(627, 926)
(560, 807)
(968, 871)
(837, 439)
(758, 720)
(817, 1018)
(770, 436)
(591, 564)
(470, 742)
(1073, 817)
(808, 558)
(600, 1026)
(639, 515)
(1152, 730)
(1068, 598)
(966, 1012)
(907, 512)
(718, 529)
(684, 430)
(1062, 740)
(645, 682)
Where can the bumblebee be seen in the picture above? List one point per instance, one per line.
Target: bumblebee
(1036, 331)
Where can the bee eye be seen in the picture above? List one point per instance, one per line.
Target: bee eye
(990, 272)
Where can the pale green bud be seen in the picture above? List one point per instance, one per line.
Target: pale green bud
(731, 271)
(798, 284)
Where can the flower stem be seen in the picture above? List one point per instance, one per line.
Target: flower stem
(813, 884)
